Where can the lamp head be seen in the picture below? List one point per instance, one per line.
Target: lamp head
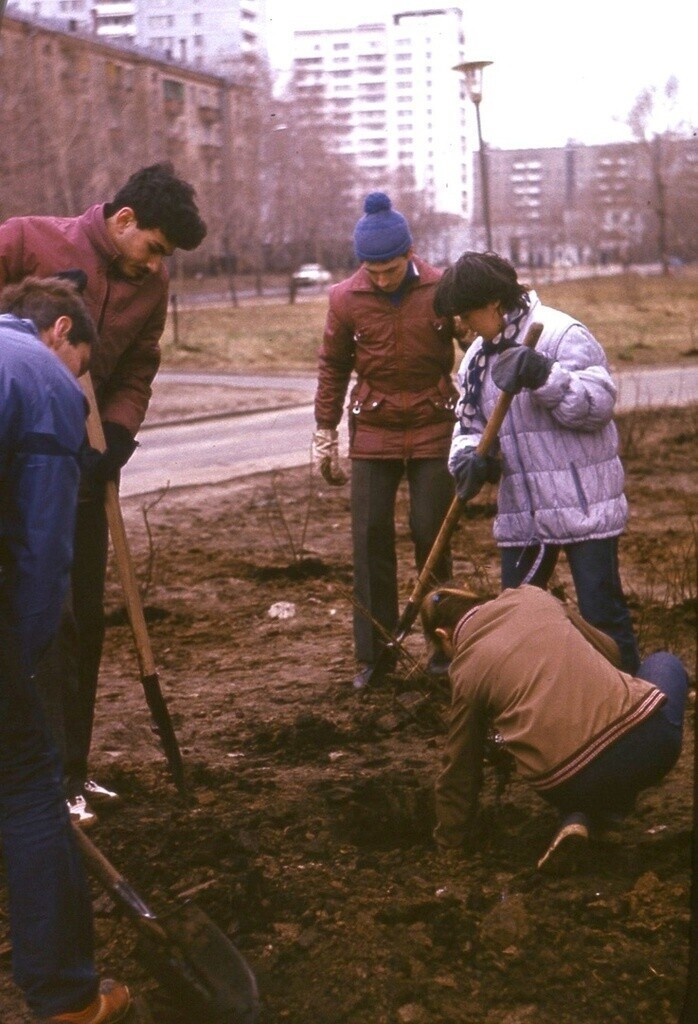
(472, 69)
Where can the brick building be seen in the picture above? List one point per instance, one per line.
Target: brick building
(80, 114)
(218, 35)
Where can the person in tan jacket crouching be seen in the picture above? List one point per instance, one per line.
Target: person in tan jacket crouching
(585, 735)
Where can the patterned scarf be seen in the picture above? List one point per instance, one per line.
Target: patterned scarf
(474, 376)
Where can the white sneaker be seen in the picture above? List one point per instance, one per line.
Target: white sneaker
(80, 812)
(99, 794)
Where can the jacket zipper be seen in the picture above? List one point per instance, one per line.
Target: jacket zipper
(103, 309)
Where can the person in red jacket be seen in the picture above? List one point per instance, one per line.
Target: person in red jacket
(381, 325)
(117, 250)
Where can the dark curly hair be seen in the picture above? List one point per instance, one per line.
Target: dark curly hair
(475, 280)
(161, 200)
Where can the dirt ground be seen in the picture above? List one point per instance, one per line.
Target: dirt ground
(309, 841)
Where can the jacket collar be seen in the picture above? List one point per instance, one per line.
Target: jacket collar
(95, 227)
(425, 274)
(19, 324)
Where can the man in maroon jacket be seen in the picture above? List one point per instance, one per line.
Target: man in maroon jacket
(117, 249)
(382, 326)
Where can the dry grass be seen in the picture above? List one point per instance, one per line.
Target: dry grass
(640, 320)
(259, 335)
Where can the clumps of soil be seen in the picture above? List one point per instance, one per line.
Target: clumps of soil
(392, 811)
(301, 569)
(309, 841)
(308, 736)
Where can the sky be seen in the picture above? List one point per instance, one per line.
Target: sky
(560, 70)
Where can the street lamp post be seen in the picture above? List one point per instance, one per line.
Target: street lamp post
(472, 69)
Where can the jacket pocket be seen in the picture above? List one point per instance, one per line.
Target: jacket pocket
(365, 402)
(403, 409)
(444, 397)
(579, 489)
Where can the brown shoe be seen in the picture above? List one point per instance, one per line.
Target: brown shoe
(112, 1004)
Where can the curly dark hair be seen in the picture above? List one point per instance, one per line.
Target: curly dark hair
(161, 200)
(475, 280)
(43, 300)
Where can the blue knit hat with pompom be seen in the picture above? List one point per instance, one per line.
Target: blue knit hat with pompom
(382, 233)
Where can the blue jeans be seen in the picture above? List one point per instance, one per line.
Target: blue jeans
(641, 758)
(374, 485)
(50, 909)
(594, 568)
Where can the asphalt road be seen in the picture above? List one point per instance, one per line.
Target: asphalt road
(215, 450)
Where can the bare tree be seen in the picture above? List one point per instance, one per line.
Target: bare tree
(308, 193)
(653, 123)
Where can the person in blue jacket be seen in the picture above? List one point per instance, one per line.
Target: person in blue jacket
(45, 339)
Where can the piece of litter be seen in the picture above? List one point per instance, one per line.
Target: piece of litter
(282, 610)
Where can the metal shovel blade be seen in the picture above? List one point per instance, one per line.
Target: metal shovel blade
(187, 953)
(201, 968)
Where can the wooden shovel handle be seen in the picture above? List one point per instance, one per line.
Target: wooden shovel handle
(494, 424)
(117, 531)
(489, 436)
(119, 889)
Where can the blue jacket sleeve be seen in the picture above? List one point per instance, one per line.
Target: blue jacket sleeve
(41, 543)
(42, 426)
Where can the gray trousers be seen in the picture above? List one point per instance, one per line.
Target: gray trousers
(374, 485)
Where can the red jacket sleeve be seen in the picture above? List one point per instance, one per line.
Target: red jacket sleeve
(335, 364)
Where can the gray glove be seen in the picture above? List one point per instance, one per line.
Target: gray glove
(326, 456)
(471, 472)
(521, 367)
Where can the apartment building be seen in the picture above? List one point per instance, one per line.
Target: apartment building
(207, 33)
(70, 105)
(629, 201)
(387, 93)
(219, 35)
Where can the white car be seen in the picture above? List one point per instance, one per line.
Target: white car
(309, 274)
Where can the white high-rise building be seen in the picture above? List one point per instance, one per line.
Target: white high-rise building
(211, 34)
(389, 91)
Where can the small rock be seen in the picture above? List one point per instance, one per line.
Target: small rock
(308, 938)
(507, 924)
(446, 981)
(412, 1013)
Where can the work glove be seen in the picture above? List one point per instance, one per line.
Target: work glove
(471, 472)
(326, 456)
(99, 467)
(521, 367)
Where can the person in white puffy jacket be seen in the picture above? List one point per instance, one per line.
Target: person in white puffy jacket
(557, 462)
